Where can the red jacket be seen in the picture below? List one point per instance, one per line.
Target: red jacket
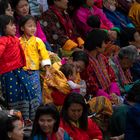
(11, 54)
(93, 131)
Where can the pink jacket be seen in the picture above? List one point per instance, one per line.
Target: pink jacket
(82, 15)
(39, 32)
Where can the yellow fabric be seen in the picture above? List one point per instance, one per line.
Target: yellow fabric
(57, 81)
(80, 41)
(101, 105)
(34, 50)
(134, 14)
(69, 45)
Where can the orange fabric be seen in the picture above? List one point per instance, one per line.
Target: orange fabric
(69, 45)
(80, 41)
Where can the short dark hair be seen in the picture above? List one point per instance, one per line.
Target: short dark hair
(95, 38)
(3, 6)
(67, 69)
(4, 21)
(48, 109)
(79, 99)
(80, 56)
(93, 21)
(23, 21)
(3, 126)
(126, 36)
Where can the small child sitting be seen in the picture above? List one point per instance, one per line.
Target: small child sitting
(69, 71)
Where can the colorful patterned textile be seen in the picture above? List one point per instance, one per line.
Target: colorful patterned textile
(18, 93)
(61, 29)
(59, 135)
(101, 111)
(124, 77)
(99, 76)
(34, 78)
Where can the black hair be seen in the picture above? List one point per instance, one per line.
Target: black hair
(95, 38)
(3, 128)
(4, 21)
(23, 21)
(93, 21)
(138, 1)
(79, 99)
(126, 36)
(6, 124)
(50, 2)
(67, 69)
(11, 120)
(3, 6)
(15, 3)
(77, 3)
(134, 94)
(80, 56)
(48, 109)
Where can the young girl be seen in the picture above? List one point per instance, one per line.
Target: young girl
(16, 88)
(21, 8)
(70, 73)
(34, 50)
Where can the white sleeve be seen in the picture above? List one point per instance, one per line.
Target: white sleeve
(73, 85)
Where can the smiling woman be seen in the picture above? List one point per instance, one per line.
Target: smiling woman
(46, 124)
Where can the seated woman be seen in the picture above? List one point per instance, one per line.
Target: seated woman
(46, 124)
(130, 36)
(55, 89)
(75, 119)
(84, 9)
(11, 127)
(59, 28)
(122, 64)
(99, 75)
(116, 17)
(5, 8)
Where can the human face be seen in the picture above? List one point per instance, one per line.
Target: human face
(126, 63)
(10, 29)
(61, 4)
(79, 65)
(9, 11)
(136, 41)
(22, 8)
(29, 28)
(46, 123)
(89, 3)
(17, 133)
(75, 111)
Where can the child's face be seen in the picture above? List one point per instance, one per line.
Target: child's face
(73, 76)
(9, 11)
(22, 8)
(10, 29)
(29, 28)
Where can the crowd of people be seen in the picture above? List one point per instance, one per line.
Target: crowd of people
(69, 69)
